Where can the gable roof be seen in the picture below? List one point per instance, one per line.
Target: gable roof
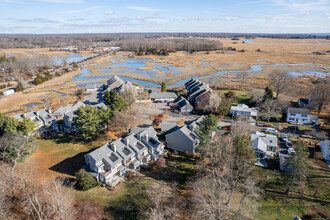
(268, 139)
(163, 95)
(105, 153)
(304, 101)
(122, 149)
(301, 111)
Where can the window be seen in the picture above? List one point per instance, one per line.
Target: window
(291, 119)
(270, 141)
(304, 119)
(305, 116)
(292, 114)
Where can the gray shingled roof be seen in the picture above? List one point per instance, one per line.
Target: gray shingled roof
(122, 149)
(302, 111)
(151, 132)
(163, 95)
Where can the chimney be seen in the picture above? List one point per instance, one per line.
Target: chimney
(37, 113)
(146, 137)
(126, 142)
(49, 111)
(114, 148)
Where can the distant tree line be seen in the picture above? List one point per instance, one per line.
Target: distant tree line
(125, 39)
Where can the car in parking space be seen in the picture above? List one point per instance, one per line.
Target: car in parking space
(285, 137)
(288, 144)
(293, 128)
(271, 130)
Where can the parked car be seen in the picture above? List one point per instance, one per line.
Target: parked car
(285, 137)
(271, 130)
(294, 128)
(288, 144)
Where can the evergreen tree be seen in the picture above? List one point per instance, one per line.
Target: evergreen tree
(26, 126)
(242, 147)
(85, 180)
(206, 128)
(268, 94)
(20, 86)
(8, 125)
(163, 87)
(224, 107)
(115, 101)
(296, 165)
(89, 122)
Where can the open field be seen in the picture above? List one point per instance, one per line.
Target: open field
(28, 53)
(272, 51)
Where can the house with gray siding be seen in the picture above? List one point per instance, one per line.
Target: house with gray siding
(182, 139)
(121, 146)
(150, 139)
(106, 165)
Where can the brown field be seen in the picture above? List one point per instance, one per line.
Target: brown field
(272, 51)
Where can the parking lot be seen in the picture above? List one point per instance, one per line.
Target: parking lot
(148, 109)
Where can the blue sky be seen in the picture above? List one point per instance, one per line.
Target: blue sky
(113, 16)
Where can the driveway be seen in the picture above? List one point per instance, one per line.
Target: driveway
(148, 109)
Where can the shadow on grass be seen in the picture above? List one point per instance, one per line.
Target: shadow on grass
(65, 139)
(129, 205)
(178, 170)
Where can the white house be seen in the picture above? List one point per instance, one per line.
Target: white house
(8, 92)
(243, 110)
(325, 148)
(300, 116)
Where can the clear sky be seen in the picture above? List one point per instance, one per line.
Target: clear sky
(112, 16)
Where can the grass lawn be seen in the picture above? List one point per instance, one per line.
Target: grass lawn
(60, 155)
(314, 203)
(239, 98)
(126, 200)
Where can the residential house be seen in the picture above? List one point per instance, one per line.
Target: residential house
(182, 139)
(199, 93)
(114, 83)
(94, 87)
(305, 103)
(106, 165)
(264, 145)
(181, 105)
(120, 86)
(69, 125)
(59, 113)
(243, 110)
(123, 149)
(300, 116)
(43, 119)
(284, 156)
(325, 148)
(149, 138)
(140, 149)
(163, 97)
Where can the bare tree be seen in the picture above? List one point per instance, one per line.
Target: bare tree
(164, 205)
(224, 188)
(125, 120)
(269, 109)
(320, 96)
(280, 82)
(208, 102)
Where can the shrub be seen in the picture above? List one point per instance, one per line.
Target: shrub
(38, 80)
(85, 180)
(19, 87)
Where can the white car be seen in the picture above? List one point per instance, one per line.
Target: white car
(285, 137)
(271, 130)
